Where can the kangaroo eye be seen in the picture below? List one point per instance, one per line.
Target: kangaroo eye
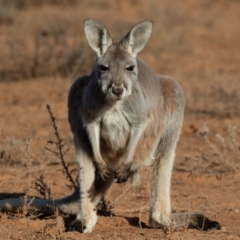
(103, 68)
(130, 68)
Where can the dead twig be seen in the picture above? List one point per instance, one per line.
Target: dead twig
(26, 203)
(61, 152)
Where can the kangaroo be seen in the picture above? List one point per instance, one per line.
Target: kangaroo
(123, 117)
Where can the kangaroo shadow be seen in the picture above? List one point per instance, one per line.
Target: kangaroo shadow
(135, 222)
(10, 195)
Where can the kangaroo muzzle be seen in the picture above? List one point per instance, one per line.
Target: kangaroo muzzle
(117, 90)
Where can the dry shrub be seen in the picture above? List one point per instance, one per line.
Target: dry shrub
(11, 152)
(9, 7)
(218, 155)
(22, 4)
(227, 99)
(7, 12)
(60, 152)
(51, 53)
(42, 187)
(217, 96)
(43, 46)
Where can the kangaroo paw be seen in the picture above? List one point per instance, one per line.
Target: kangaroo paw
(160, 221)
(123, 173)
(76, 225)
(102, 173)
(85, 225)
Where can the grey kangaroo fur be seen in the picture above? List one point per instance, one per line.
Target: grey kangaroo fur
(123, 117)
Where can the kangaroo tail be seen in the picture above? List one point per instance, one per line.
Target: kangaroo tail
(67, 204)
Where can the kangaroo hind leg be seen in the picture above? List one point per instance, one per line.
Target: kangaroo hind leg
(160, 209)
(91, 192)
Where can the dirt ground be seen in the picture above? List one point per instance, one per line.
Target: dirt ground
(42, 51)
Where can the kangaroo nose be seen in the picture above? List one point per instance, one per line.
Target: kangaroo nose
(117, 90)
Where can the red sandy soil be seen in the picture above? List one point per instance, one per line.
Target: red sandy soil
(196, 42)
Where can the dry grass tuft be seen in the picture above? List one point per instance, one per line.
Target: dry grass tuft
(104, 208)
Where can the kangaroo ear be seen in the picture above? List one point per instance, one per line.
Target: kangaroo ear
(137, 38)
(97, 36)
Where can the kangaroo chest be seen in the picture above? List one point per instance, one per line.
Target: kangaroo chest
(114, 130)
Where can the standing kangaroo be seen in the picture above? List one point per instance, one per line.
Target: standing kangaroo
(123, 117)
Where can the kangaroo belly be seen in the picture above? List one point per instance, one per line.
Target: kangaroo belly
(114, 133)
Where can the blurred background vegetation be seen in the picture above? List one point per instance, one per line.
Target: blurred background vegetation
(42, 38)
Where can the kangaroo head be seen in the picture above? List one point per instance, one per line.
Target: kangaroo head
(117, 70)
